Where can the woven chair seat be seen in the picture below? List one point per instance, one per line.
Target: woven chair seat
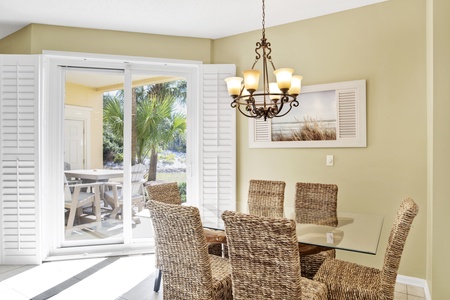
(350, 280)
(312, 290)
(221, 275)
(311, 263)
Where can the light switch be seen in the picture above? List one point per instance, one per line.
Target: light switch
(330, 238)
(330, 160)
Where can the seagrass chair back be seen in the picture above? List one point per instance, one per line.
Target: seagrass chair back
(189, 272)
(166, 192)
(266, 198)
(264, 259)
(316, 203)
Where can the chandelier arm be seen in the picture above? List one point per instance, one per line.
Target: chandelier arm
(245, 114)
(294, 103)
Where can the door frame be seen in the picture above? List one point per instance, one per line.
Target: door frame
(53, 159)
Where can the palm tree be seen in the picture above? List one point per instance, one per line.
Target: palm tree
(156, 122)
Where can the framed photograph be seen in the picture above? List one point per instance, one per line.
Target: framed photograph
(329, 115)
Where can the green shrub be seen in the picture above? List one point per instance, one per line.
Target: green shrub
(182, 188)
(167, 158)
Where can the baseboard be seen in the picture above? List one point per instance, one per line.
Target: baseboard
(417, 282)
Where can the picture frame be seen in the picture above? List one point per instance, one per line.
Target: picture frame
(329, 115)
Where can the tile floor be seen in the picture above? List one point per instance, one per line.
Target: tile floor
(114, 278)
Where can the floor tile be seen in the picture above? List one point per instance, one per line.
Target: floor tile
(400, 296)
(11, 294)
(412, 297)
(36, 280)
(9, 271)
(114, 278)
(400, 287)
(415, 291)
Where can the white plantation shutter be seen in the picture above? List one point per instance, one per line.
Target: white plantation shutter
(350, 122)
(347, 114)
(217, 146)
(19, 96)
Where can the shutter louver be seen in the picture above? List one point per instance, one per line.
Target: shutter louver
(218, 134)
(263, 130)
(347, 113)
(19, 95)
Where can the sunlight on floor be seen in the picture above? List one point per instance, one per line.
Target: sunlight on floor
(105, 282)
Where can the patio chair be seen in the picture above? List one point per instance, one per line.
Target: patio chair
(189, 272)
(264, 259)
(113, 191)
(347, 280)
(316, 203)
(76, 200)
(266, 198)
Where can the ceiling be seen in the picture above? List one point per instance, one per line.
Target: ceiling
(192, 18)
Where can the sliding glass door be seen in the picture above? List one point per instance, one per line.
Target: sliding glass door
(92, 186)
(123, 130)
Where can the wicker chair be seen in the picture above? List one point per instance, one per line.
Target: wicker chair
(316, 203)
(264, 259)
(266, 198)
(166, 192)
(347, 280)
(189, 272)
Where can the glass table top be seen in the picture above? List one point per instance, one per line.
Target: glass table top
(354, 232)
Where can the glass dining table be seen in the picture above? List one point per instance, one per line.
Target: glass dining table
(355, 232)
(94, 174)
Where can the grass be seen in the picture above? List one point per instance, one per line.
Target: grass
(310, 130)
(178, 177)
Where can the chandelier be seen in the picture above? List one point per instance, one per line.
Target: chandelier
(275, 96)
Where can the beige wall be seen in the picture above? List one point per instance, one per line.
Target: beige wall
(78, 95)
(439, 75)
(386, 46)
(17, 43)
(57, 38)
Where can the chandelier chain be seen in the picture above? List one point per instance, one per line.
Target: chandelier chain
(263, 19)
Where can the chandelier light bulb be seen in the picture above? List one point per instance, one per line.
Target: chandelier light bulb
(296, 85)
(234, 85)
(274, 90)
(251, 80)
(284, 78)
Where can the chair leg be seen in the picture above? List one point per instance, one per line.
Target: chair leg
(157, 281)
(71, 219)
(114, 213)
